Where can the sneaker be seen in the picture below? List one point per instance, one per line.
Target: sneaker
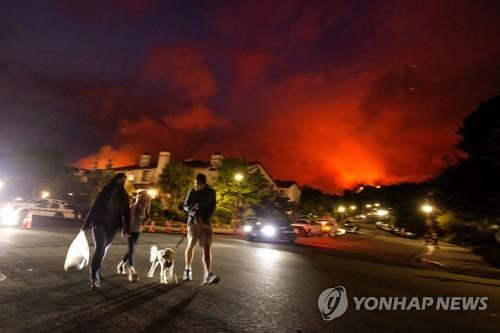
(188, 275)
(211, 278)
(132, 275)
(120, 269)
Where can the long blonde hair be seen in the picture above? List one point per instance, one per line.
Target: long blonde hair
(142, 199)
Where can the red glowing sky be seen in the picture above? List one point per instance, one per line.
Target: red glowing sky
(331, 94)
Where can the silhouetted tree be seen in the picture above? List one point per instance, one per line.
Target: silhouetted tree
(314, 201)
(470, 186)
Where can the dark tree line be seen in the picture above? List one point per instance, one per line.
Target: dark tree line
(470, 187)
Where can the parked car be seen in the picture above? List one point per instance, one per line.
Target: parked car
(308, 228)
(402, 232)
(268, 230)
(384, 226)
(13, 212)
(332, 229)
(351, 227)
(395, 230)
(408, 234)
(357, 218)
(388, 227)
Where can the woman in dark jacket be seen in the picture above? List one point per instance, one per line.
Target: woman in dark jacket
(109, 214)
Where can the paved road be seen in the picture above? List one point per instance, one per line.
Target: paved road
(264, 288)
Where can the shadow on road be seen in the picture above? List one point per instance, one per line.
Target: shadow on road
(160, 324)
(103, 305)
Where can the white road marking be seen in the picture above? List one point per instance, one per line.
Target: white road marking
(2, 277)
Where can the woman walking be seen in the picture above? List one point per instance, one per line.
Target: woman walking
(140, 213)
(109, 214)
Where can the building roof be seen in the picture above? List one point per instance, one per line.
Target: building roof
(192, 163)
(285, 183)
(197, 164)
(74, 168)
(134, 167)
(260, 165)
(188, 163)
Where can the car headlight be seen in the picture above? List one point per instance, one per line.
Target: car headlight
(9, 215)
(247, 228)
(268, 230)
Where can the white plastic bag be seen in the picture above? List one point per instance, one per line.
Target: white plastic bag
(78, 253)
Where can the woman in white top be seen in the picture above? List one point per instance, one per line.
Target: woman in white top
(139, 213)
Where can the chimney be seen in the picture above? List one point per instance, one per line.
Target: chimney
(109, 165)
(216, 159)
(144, 160)
(163, 161)
(95, 166)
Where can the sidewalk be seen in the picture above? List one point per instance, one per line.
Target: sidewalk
(458, 259)
(383, 249)
(401, 251)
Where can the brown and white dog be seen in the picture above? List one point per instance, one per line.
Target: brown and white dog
(165, 259)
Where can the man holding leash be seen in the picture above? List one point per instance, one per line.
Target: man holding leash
(200, 206)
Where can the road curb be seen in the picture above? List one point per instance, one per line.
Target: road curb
(436, 263)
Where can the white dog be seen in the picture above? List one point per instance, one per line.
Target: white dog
(164, 258)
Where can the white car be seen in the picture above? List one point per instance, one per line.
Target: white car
(13, 212)
(308, 228)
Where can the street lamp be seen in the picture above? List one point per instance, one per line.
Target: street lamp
(427, 209)
(238, 177)
(44, 194)
(341, 209)
(153, 193)
(353, 207)
(382, 213)
(377, 204)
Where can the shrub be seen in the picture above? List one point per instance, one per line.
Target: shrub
(222, 216)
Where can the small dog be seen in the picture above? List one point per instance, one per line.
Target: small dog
(164, 258)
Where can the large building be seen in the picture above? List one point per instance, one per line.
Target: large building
(146, 172)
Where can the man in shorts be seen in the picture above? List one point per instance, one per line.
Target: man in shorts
(200, 206)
